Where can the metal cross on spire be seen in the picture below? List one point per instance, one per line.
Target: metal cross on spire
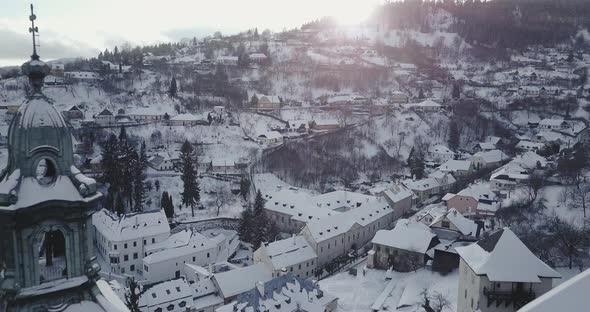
(35, 33)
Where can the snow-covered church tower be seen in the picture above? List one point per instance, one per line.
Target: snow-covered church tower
(46, 250)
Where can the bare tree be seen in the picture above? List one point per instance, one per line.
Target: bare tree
(581, 196)
(535, 183)
(222, 197)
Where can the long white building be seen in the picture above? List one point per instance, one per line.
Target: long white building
(166, 260)
(122, 241)
(341, 233)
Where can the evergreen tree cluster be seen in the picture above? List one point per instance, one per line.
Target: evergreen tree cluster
(124, 172)
(167, 204)
(255, 226)
(191, 195)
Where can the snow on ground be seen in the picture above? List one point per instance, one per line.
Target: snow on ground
(254, 124)
(268, 182)
(358, 293)
(210, 187)
(557, 202)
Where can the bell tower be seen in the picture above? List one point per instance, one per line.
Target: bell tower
(46, 250)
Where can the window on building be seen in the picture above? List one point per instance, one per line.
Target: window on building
(158, 310)
(145, 243)
(126, 258)
(170, 307)
(153, 240)
(145, 268)
(208, 255)
(445, 224)
(135, 255)
(125, 245)
(300, 266)
(134, 244)
(182, 304)
(122, 270)
(194, 259)
(168, 291)
(291, 269)
(115, 246)
(132, 268)
(177, 274)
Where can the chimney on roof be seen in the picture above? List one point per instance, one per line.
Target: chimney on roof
(294, 242)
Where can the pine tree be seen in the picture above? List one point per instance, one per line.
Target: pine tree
(173, 89)
(132, 295)
(454, 136)
(167, 205)
(139, 167)
(456, 91)
(246, 223)
(262, 229)
(421, 94)
(191, 192)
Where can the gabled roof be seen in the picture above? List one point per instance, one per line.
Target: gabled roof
(105, 112)
(166, 292)
(130, 226)
(464, 225)
(491, 156)
(398, 192)
(571, 296)
(406, 235)
(504, 258)
(287, 252)
(453, 165)
(241, 280)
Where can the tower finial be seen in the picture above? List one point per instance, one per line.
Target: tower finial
(34, 32)
(35, 68)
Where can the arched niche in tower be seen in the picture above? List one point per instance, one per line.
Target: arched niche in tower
(51, 252)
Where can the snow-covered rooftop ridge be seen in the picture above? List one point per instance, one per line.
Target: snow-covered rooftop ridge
(241, 280)
(283, 294)
(182, 244)
(453, 165)
(131, 226)
(185, 117)
(464, 225)
(491, 156)
(441, 149)
(289, 251)
(398, 192)
(406, 235)
(328, 227)
(478, 191)
(571, 295)
(504, 258)
(165, 292)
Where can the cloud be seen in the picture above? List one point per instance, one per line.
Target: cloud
(19, 46)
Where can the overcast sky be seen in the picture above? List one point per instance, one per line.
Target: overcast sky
(70, 28)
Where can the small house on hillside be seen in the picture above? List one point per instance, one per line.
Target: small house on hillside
(266, 102)
(270, 137)
(325, 124)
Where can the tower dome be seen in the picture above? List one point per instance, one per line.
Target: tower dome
(40, 150)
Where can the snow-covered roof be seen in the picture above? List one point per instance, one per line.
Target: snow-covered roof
(406, 235)
(269, 98)
(478, 191)
(398, 192)
(524, 144)
(486, 146)
(425, 103)
(271, 135)
(491, 156)
(441, 149)
(165, 292)
(241, 280)
(105, 112)
(464, 225)
(570, 295)
(185, 117)
(328, 227)
(181, 244)
(297, 123)
(529, 160)
(552, 122)
(423, 184)
(454, 165)
(493, 139)
(286, 293)
(509, 172)
(504, 258)
(326, 122)
(290, 251)
(131, 226)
